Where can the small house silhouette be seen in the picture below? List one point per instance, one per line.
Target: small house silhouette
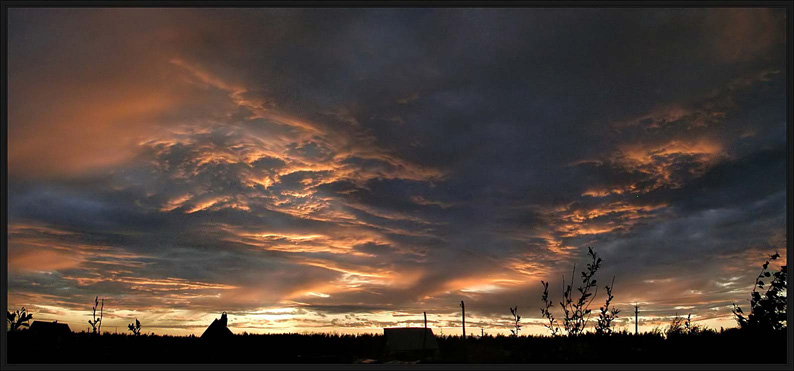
(50, 329)
(217, 330)
(411, 343)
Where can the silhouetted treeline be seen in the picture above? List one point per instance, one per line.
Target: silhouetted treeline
(761, 337)
(729, 346)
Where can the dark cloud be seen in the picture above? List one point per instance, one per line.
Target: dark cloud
(348, 168)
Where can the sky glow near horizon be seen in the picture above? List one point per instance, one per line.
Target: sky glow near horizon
(344, 170)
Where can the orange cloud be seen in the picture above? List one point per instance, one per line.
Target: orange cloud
(41, 260)
(599, 219)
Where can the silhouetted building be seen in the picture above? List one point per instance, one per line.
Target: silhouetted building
(50, 329)
(217, 330)
(411, 343)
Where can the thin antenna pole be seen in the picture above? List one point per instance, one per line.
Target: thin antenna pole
(425, 319)
(636, 317)
(463, 316)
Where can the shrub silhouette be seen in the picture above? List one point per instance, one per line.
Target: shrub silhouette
(576, 311)
(767, 312)
(96, 324)
(608, 314)
(516, 319)
(546, 313)
(656, 331)
(682, 326)
(135, 327)
(693, 329)
(18, 319)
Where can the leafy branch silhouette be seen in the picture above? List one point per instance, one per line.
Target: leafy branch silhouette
(546, 312)
(96, 324)
(767, 311)
(576, 311)
(18, 319)
(608, 314)
(516, 319)
(135, 327)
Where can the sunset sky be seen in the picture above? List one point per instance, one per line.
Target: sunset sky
(347, 169)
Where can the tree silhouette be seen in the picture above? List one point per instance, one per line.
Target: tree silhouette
(767, 311)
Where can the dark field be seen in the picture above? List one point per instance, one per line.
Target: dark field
(730, 346)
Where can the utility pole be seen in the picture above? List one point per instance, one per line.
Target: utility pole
(482, 332)
(424, 334)
(463, 316)
(101, 311)
(636, 317)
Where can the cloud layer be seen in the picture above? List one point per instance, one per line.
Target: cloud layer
(348, 169)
